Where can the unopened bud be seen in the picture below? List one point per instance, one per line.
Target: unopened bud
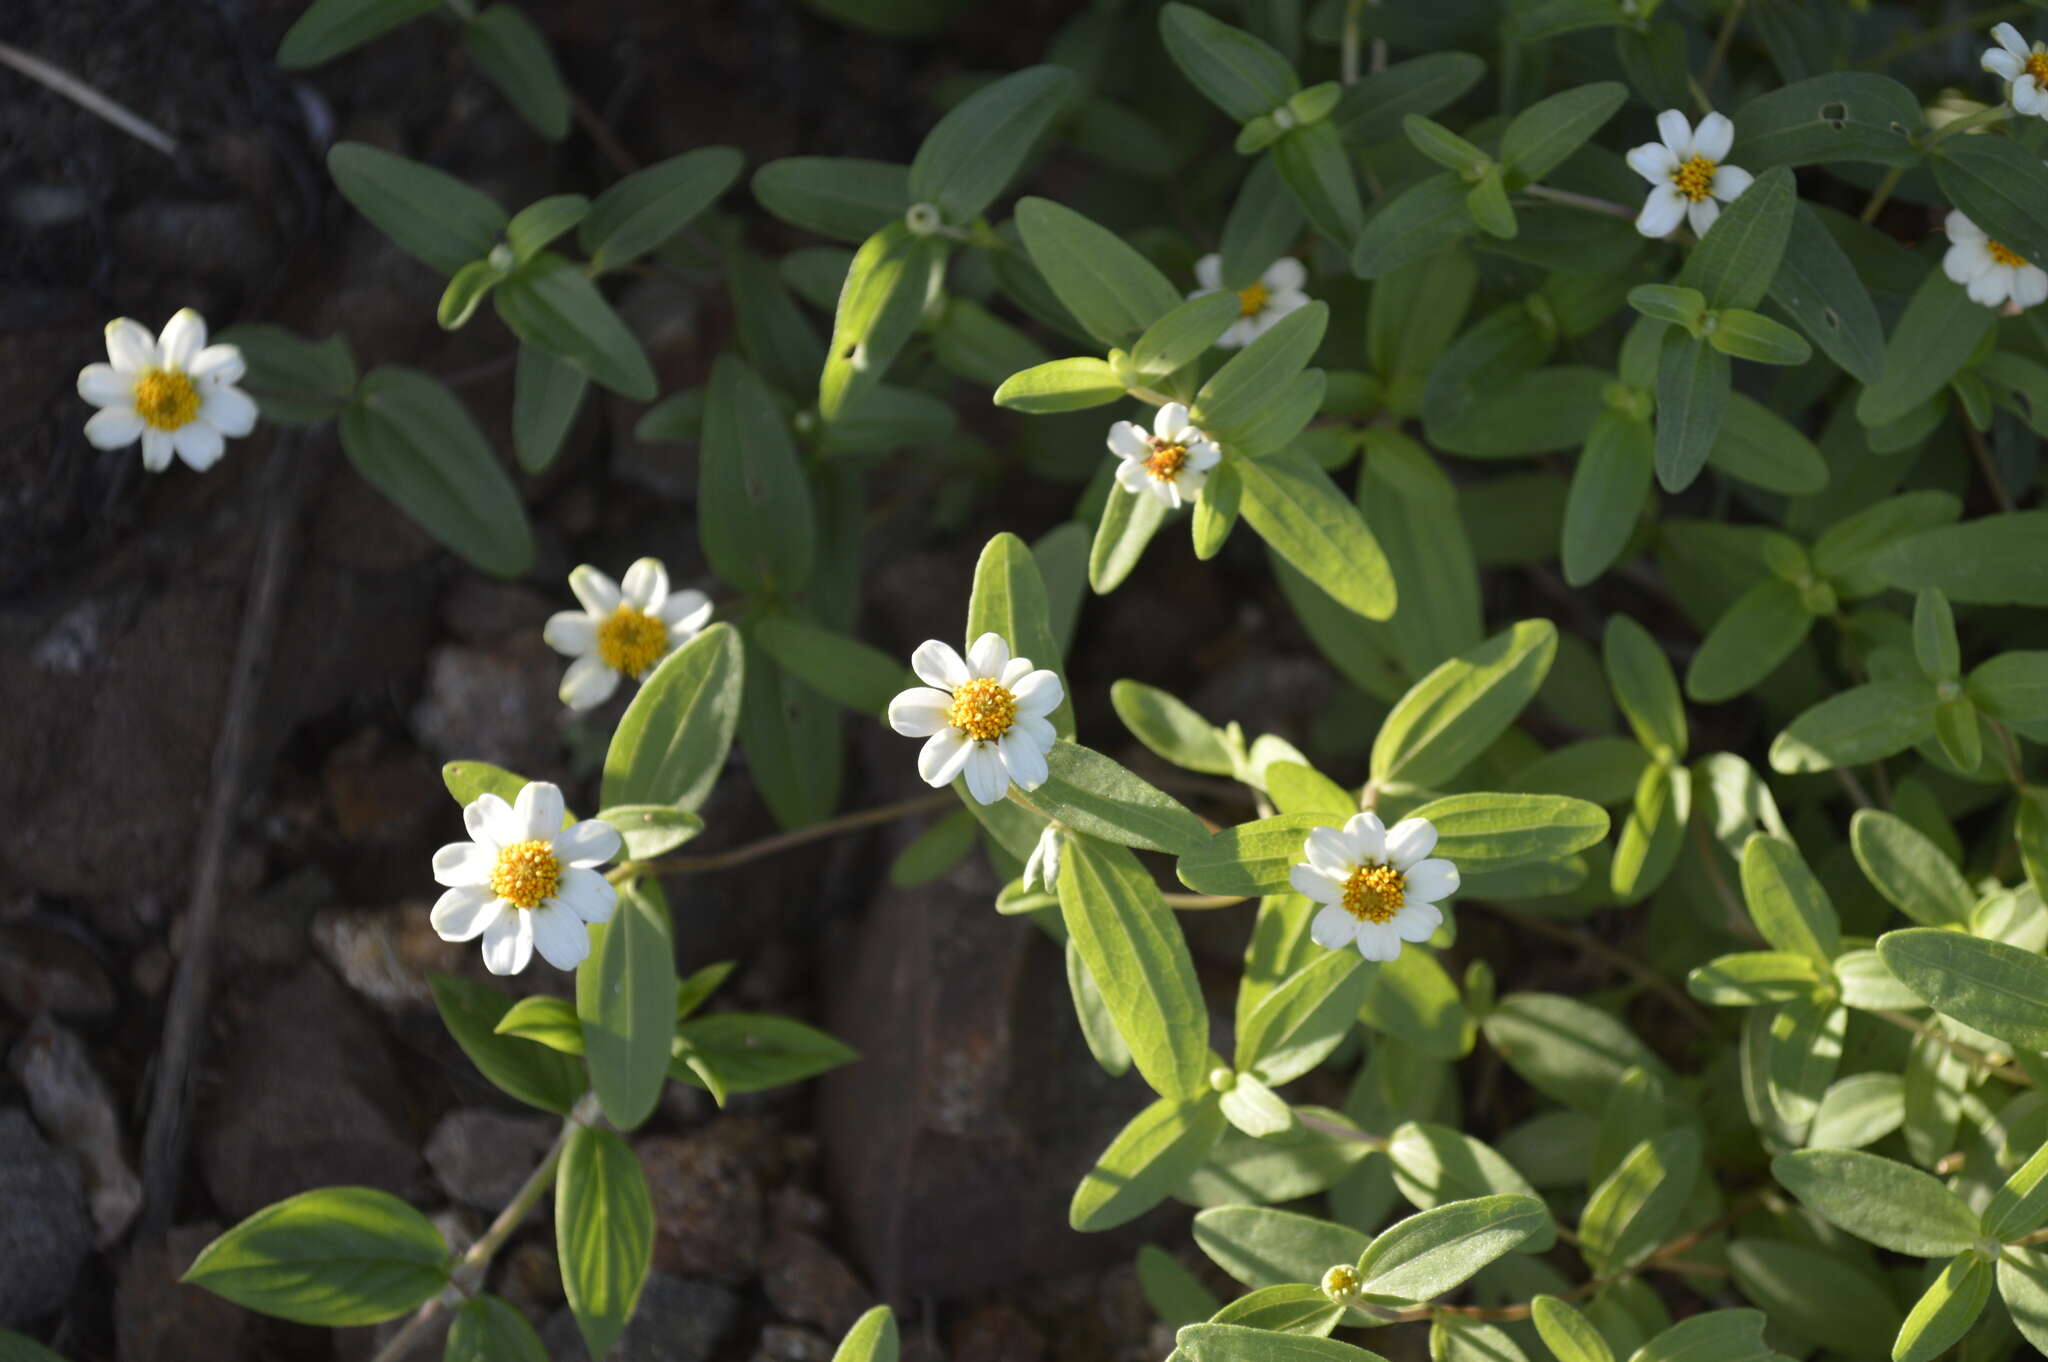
(1341, 1284)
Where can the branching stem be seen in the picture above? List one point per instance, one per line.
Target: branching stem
(782, 841)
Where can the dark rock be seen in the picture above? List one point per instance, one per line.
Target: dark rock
(71, 1101)
(680, 1319)
(787, 1343)
(44, 1231)
(386, 954)
(995, 1332)
(494, 703)
(707, 1206)
(809, 1283)
(381, 793)
(158, 1319)
(46, 971)
(304, 1102)
(477, 610)
(798, 1208)
(481, 1157)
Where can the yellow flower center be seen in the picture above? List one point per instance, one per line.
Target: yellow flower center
(2037, 65)
(166, 399)
(631, 641)
(1695, 179)
(1250, 301)
(1164, 465)
(527, 874)
(2004, 254)
(1374, 893)
(983, 709)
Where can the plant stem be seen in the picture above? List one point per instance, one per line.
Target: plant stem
(2011, 751)
(89, 99)
(1352, 9)
(1997, 113)
(782, 841)
(1681, 1002)
(2008, 1072)
(1883, 192)
(1203, 900)
(1990, 469)
(1722, 40)
(1585, 201)
(1940, 33)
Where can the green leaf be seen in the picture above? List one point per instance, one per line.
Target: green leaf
(1940, 330)
(544, 1021)
(1751, 978)
(1255, 1109)
(1312, 160)
(1610, 487)
(1493, 832)
(2020, 1206)
(1987, 985)
(1819, 288)
(977, 148)
(1139, 960)
(672, 742)
(19, 1348)
(2023, 1285)
(550, 303)
(1763, 628)
(329, 28)
(1062, 385)
(1755, 337)
(1288, 1308)
(336, 1256)
(514, 56)
(625, 1000)
(1997, 184)
(1242, 1343)
(1433, 1251)
(1653, 833)
(1129, 520)
(1372, 108)
(756, 1051)
(536, 1076)
(431, 215)
(1912, 872)
(1841, 116)
(604, 1233)
(1434, 1164)
(1566, 1049)
(1009, 600)
(1170, 728)
(652, 204)
(1299, 512)
(1172, 1291)
(841, 197)
(1184, 334)
(1859, 1110)
(1946, 1311)
(1262, 1247)
(1891, 1204)
(411, 439)
(1412, 509)
(2012, 687)
(855, 674)
(1463, 706)
(1238, 73)
(547, 392)
(1629, 1214)
(1569, 1335)
(1149, 1157)
(1237, 394)
(1414, 225)
(1816, 1294)
(486, 1329)
(1765, 450)
(872, 1338)
(295, 381)
(1533, 412)
(754, 515)
(1114, 292)
(1863, 723)
(1716, 1336)
(1295, 1026)
(1739, 256)
(1544, 134)
(1644, 687)
(1992, 560)
(693, 992)
(1093, 794)
(1788, 905)
(1686, 307)
(1250, 859)
(536, 226)
(1693, 386)
(880, 306)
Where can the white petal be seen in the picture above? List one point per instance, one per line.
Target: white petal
(1258, 325)
(599, 593)
(1315, 884)
(2030, 287)
(157, 449)
(587, 843)
(490, 822)
(508, 942)
(2028, 96)
(1653, 161)
(1332, 927)
(104, 386)
(1379, 941)
(1417, 921)
(1329, 851)
(1170, 420)
(1676, 133)
(1367, 836)
(1165, 493)
(560, 936)
(1203, 455)
(1431, 880)
(919, 712)
(1188, 482)
(1126, 441)
(221, 364)
(1023, 758)
(1408, 841)
(465, 913)
(1702, 216)
(1209, 272)
(1037, 729)
(942, 757)
(2003, 64)
(115, 428)
(2008, 37)
(587, 683)
(1992, 287)
(987, 656)
(1131, 476)
(1960, 228)
(1713, 137)
(538, 808)
(1965, 259)
(230, 411)
(936, 664)
(1662, 211)
(587, 894)
(130, 345)
(686, 612)
(570, 633)
(646, 585)
(184, 336)
(1013, 673)
(1730, 181)
(199, 445)
(464, 865)
(988, 780)
(1285, 275)
(1039, 693)
(1278, 306)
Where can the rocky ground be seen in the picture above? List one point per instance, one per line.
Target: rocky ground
(935, 1174)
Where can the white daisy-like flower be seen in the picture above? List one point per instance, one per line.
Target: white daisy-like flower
(984, 715)
(1688, 180)
(2024, 70)
(1277, 293)
(1042, 867)
(523, 882)
(174, 392)
(1994, 273)
(623, 629)
(1171, 463)
(1379, 886)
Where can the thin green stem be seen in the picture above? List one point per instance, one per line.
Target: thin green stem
(1640, 970)
(2010, 751)
(1722, 40)
(2008, 1072)
(1203, 901)
(1352, 10)
(768, 846)
(1983, 118)
(1941, 33)
(1982, 453)
(1585, 201)
(1879, 195)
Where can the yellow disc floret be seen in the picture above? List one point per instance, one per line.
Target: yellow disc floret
(1374, 893)
(631, 641)
(1167, 457)
(1695, 179)
(2037, 65)
(983, 709)
(1251, 301)
(166, 399)
(2004, 254)
(527, 874)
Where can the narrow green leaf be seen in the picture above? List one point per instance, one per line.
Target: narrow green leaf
(514, 56)
(1433, 1251)
(486, 1329)
(1789, 906)
(1629, 1214)
(1457, 711)
(1992, 560)
(431, 215)
(1566, 1049)
(841, 197)
(1763, 628)
(756, 1051)
(604, 1233)
(1818, 286)
(1937, 335)
(1739, 256)
(1239, 73)
(1644, 687)
(977, 148)
(1693, 385)
(1891, 1204)
(336, 1256)
(1261, 1247)
(329, 28)
(547, 392)
(858, 676)
(1009, 600)
(1942, 1315)
(652, 204)
(626, 1000)
(1912, 872)
(1160, 1146)
(672, 742)
(1987, 985)
(754, 514)
(1170, 728)
(1997, 184)
(536, 1076)
(1841, 116)
(1114, 292)
(1299, 512)
(1863, 723)
(1061, 385)
(550, 303)
(880, 306)
(1544, 134)
(1494, 832)
(872, 1338)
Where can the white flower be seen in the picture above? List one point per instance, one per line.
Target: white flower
(984, 715)
(1376, 888)
(621, 630)
(523, 882)
(1993, 272)
(1277, 293)
(1685, 171)
(1043, 865)
(173, 392)
(1171, 463)
(2024, 70)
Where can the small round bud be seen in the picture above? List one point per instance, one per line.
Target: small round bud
(1283, 118)
(922, 219)
(806, 423)
(502, 259)
(1947, 690)
(1341, 1284)
(1222, 1079)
